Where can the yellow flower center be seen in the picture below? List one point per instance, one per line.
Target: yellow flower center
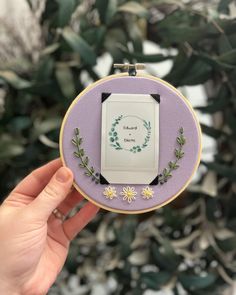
(129, 193)
(148, 193)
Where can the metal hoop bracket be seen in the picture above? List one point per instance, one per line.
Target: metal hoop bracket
(130, 68)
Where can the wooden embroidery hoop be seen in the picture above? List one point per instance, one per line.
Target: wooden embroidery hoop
(132, 71)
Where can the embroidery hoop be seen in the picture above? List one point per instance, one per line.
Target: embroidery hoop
(133, 72)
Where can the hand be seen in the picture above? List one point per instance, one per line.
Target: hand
(33, 242)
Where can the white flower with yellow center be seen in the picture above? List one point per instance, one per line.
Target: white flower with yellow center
(109, 192)
(128, 194)
(147, 192)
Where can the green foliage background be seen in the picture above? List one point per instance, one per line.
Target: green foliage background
(189, 244)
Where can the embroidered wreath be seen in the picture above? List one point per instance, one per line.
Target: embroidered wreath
(114, 138)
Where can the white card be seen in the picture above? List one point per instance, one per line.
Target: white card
(130, 138)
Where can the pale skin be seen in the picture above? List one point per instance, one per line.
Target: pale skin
(34, 243)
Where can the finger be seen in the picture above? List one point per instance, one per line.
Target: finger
(53, 194)
(77, 222)
(34, 183)
(73, 199)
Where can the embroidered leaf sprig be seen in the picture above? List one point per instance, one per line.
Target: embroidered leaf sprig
(114, 137)
(173, 165)
(147, 125)
(84, 160)
(139, 148)
(113, 134)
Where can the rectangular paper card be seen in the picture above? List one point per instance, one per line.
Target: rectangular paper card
(129, 138)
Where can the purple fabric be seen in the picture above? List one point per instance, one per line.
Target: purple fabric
(174, 113)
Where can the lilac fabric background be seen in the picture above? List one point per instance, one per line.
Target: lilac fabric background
(174, 113)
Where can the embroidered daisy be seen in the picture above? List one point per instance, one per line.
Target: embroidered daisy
(128, 194)
(109, 192)
(147, 193)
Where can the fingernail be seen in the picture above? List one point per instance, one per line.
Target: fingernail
(62, 175)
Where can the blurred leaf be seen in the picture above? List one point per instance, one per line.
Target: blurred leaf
(134, 8)
(231, 121)
(127, 231)
(106, 9)
(194, 282)
(224, 44)
(95, 36)
(228, 244)
(45, 69)
(189, 71)
(80, 46)
(135, 35)
(115, 42)
(65, 80)
(214, 62)
(155, 280)
(9, 147)
(14, 80)
(221, 169)
(148, 58)
(101, 6)
(228, 58)
(45, 126)
(50, 49)
(167, 259)
(223, 6)
(211, 131)
(172, 31)
(216, 103)
(66, 8)
(20, 123)
(213, 107)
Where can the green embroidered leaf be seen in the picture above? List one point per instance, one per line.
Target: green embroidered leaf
(87, 173)
(77, 154)
(181, 140)
(179, 153)
(173, 165)
(86, 160)
(166, 173)
(76, 131)
(81, 152)
(79, 141)
(74, 141)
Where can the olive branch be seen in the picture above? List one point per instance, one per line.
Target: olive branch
(84, 160)
(173, 165)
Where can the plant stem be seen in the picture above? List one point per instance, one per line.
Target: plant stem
(89, 170)
(166, 174)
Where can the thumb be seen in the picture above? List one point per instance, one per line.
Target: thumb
(53, 194)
